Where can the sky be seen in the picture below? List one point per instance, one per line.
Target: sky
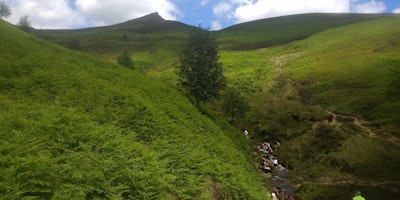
(212, 14)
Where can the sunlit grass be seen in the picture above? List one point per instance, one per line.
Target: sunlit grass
(74, 127)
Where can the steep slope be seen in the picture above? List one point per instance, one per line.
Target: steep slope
(75, 127)
(349, 69)
(328, 99)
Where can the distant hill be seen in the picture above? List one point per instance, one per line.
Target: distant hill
(151, 35)
(73, 126)
(282, 30)
(245, 36)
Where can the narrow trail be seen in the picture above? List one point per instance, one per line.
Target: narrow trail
(362, 124)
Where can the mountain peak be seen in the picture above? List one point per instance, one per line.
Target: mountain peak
(150, 18)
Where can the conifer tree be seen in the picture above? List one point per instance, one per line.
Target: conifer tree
(199, 70)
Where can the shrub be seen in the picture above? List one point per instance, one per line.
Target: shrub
(125, 59)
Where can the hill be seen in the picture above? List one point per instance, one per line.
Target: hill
(150, 38)
(326, 92)
(73, 126)
(155, 42)
(276, 31)
(330, 99)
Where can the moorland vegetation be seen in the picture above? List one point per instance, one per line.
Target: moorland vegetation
(324, 85)
(73, 126)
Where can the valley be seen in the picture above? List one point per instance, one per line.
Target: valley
(324, 85)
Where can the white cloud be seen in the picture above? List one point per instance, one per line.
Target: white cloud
(369, 7)
(216, 25)
(86, 13)
(222, 8)
(89, 13)
(257, 9)
(45, 14)
(116, 11)
(204, 2)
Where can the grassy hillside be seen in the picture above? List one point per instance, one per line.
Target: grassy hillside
(348, 69)
(324, 88)
(154, 42)
(76, 127)
(282, 30)
(151, 39)
(345, 71)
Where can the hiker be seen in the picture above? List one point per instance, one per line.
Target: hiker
(268, 146)
(277, 145)
(275, 161)
(246, 133)
(267, 169)
(259, 148)
(358, 196)
(263, 163)
(274, 197)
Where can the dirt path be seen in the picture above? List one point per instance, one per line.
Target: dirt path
(361, 124)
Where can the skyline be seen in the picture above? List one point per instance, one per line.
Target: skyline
(212, 14)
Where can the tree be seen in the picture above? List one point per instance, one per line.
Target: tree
(199, 71)
(4, 10)
(125, 59)
(24, 23)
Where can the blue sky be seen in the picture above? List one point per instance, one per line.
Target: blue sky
(214, 14)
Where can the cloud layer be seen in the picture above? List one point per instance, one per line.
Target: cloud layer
(86, 13)
(272, 8)
(217, 13)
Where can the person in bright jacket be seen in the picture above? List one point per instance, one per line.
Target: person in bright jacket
(358, 196)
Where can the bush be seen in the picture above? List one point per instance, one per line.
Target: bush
(125, 59)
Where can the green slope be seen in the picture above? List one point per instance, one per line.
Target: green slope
(337, 68)
(154, 42)
(282, 30)
(346, 71)
(151, 39)
(75, 127)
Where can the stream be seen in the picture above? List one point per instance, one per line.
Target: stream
(280, 183)
(282, 186)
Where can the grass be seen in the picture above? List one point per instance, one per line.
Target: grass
(344, 70)
(283, 30)
(337, 64)
(342, 82)
(77, 127)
